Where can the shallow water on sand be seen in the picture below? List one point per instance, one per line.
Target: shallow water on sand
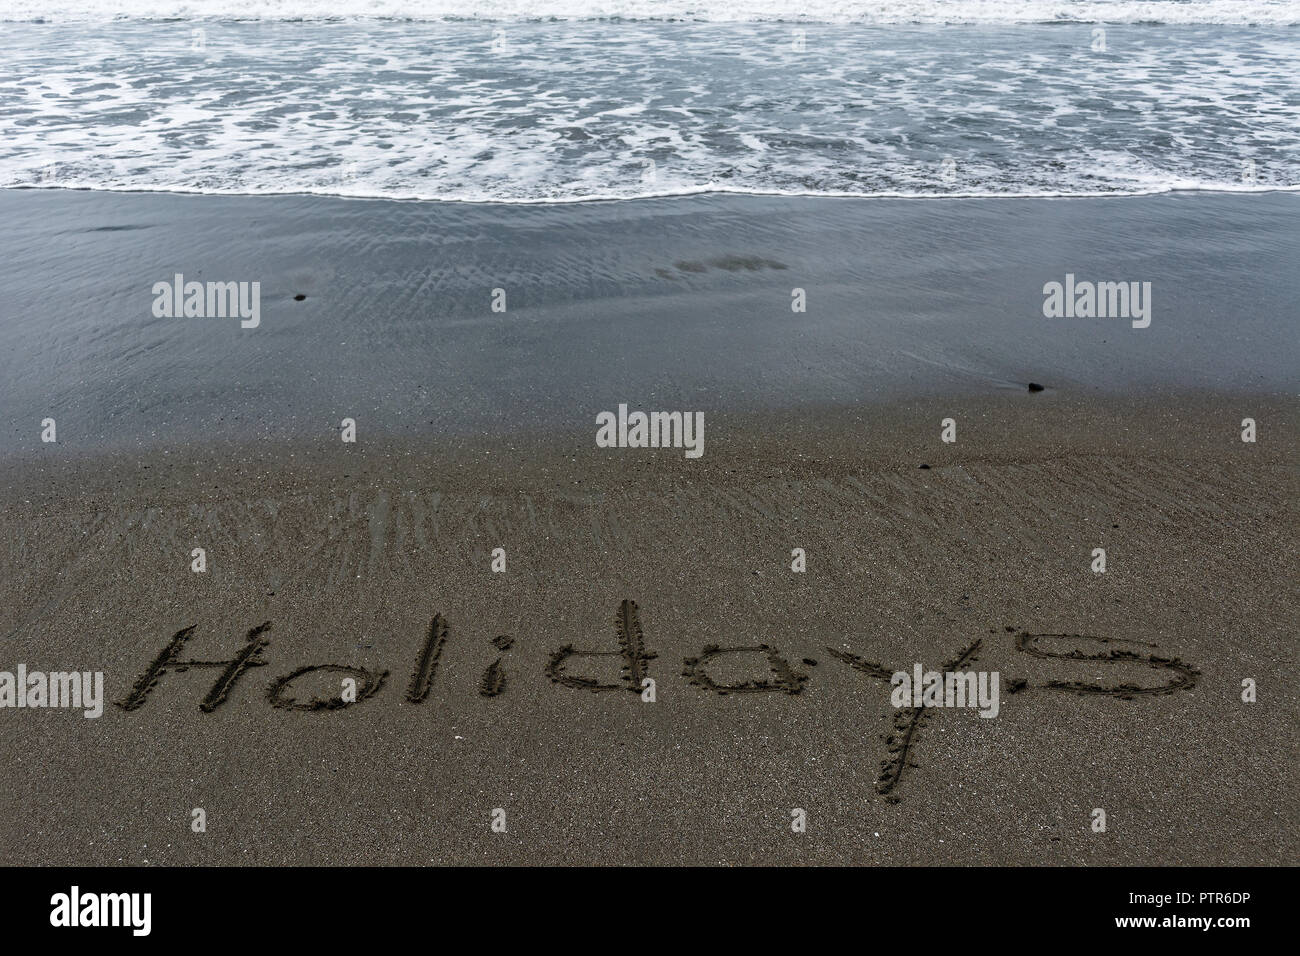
(663, 304)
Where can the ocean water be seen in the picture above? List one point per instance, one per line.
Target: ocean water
(527, 101)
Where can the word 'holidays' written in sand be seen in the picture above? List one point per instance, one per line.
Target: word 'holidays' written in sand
(772, 672)
(919, 689)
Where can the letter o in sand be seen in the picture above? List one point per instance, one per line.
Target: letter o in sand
(368, 684)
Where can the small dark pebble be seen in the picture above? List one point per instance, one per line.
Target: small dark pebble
(299, 297)
(926, 467)
(1035, 387)
(810, 662)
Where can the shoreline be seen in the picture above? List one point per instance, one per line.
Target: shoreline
(711, 191)
(889, 435)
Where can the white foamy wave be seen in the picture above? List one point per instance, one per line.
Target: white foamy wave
(565, 112)
(1261, 12)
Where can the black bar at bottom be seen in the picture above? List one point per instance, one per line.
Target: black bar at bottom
(329, 907)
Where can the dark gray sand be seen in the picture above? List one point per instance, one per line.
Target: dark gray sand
(350, 556)
(664, 304)
(349, 552)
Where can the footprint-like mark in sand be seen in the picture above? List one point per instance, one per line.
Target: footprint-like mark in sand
(725, 263)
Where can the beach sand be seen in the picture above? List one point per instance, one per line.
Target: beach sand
(349, 551)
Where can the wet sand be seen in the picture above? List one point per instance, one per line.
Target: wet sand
(377, 556)
(665, 304)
